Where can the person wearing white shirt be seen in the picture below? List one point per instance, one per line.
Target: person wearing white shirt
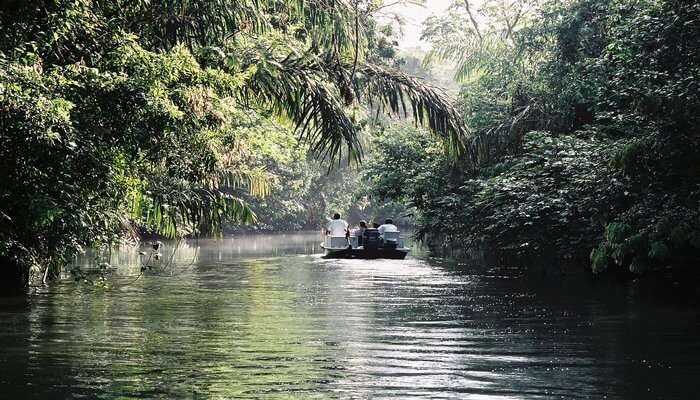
(337, 227)
(387, 226)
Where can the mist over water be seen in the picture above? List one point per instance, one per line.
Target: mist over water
(264, 316)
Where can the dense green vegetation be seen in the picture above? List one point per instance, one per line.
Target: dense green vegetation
(574, 131)
(585, 116)
(119, 118)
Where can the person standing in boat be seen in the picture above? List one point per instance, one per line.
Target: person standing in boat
(387, 226)
(337, 227)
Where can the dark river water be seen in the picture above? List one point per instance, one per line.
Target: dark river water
(266, 317)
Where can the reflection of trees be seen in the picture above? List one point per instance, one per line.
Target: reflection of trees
(203, 330)
(262, 337)
(16, 355)
(252, 327)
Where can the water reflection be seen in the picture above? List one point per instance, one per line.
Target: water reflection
(265, 317)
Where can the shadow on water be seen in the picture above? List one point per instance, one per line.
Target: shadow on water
(265, 316)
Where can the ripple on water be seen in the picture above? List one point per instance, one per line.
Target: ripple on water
(241, 323)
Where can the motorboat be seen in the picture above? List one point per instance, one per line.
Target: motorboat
(370, 245)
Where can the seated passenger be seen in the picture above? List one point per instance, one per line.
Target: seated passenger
(337, 227)
(360, 231)
(387, 226)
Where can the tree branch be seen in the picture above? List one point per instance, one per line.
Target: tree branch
(471, 17)
(512, 26)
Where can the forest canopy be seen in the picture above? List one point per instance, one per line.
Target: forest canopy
(124, 117)
(573, 133)
(584, 139)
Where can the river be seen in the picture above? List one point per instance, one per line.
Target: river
(265, 317)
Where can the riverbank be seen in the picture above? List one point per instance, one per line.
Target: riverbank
(588, 198)
(584, 140)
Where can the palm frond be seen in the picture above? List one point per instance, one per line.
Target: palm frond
(331, 24)
(471, 54)
(257, 181)
(313, 92)
(299, 88)
(165, 23)
(502, 138)
(392, 89)
(178, 207)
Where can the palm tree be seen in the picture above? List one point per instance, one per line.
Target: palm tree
(479, 41)
(308, 62)
(483, 47)
(311, 80)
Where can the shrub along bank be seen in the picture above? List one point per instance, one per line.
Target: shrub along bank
(586, 148)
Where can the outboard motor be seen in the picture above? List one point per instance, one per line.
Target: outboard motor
(370, 239)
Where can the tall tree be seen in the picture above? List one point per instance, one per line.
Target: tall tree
(127, 110)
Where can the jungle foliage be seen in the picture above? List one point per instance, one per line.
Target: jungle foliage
(585, 143)
(119, 118)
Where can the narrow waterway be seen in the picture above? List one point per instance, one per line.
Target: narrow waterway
(266, 317)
